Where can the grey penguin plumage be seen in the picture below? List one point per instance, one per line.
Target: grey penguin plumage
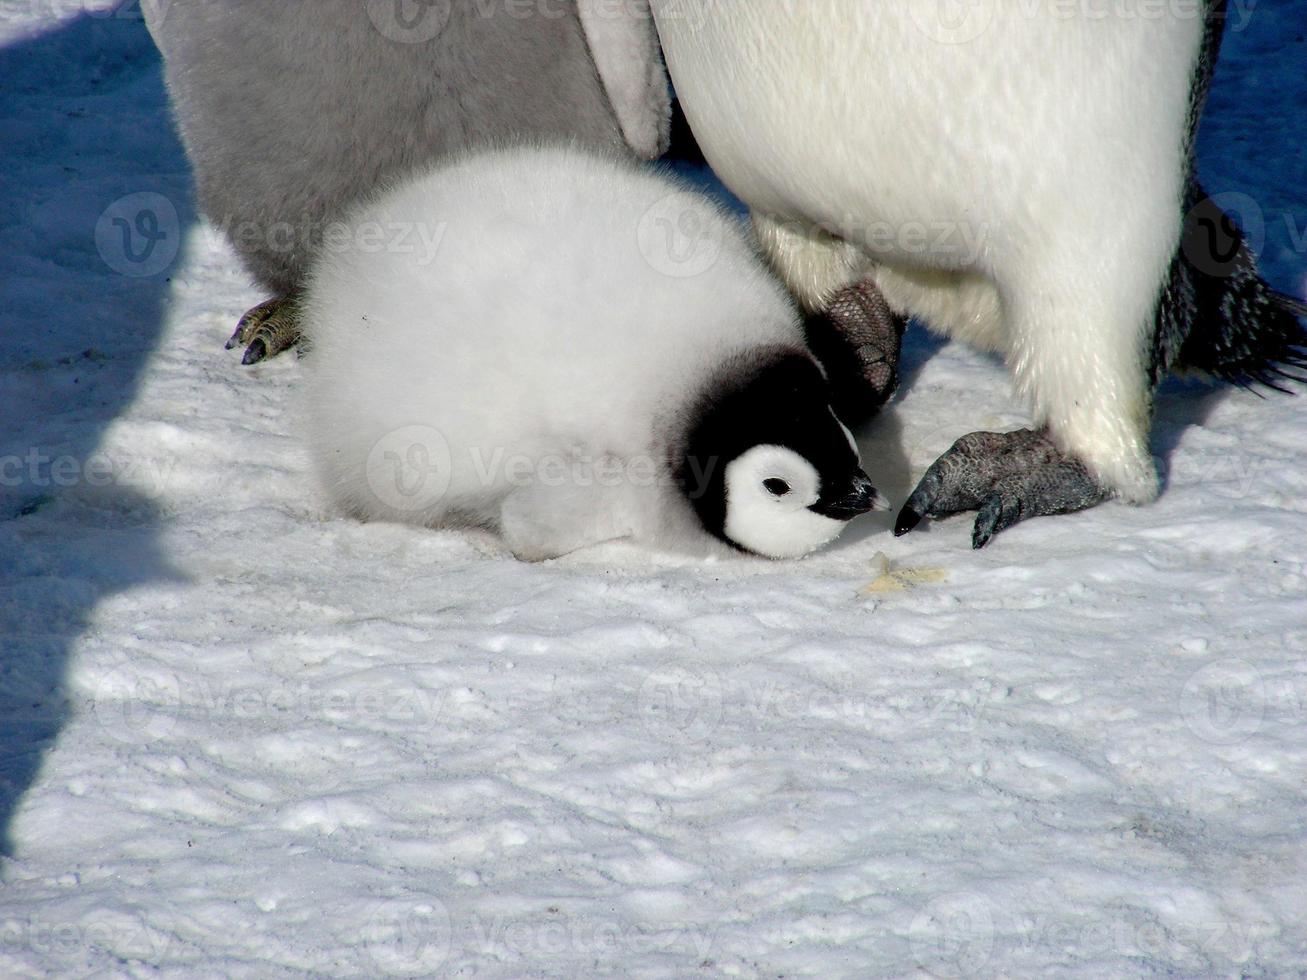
(1063, 141)
(292, 110)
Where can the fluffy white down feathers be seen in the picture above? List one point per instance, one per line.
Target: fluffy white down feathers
(512, 339)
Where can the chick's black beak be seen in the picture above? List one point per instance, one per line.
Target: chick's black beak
(859, 497)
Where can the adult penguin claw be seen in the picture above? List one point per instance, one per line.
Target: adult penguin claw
(906, 521)
(1006, 476)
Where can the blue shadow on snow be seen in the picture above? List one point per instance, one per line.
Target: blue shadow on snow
(94, 205)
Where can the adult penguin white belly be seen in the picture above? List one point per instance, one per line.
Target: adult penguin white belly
(1017, 179)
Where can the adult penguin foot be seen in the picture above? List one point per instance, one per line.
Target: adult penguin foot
(1006, 476)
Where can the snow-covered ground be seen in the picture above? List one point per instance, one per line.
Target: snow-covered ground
(241, 736)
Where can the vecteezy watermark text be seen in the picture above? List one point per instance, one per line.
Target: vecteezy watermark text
(420, 239)
(413, 468)
(37, 468)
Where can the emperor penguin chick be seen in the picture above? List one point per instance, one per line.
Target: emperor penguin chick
(569, 349)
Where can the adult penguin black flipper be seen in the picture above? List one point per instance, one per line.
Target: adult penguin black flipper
(1219, 318)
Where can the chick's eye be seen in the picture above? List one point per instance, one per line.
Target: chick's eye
(777, 488)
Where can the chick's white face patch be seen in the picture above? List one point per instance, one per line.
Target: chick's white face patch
(768, 492)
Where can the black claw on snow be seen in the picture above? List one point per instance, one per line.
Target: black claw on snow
(256, 352)
(907, 520)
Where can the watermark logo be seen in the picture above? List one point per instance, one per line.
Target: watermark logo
(537, 939)
(37, 468)
(153, 12)
(136, 705)
(139, 235)
(408, 938)
(1224, 702)
(679, 236)
(953, 936)
(72, 943)
(681, 702)
(1217, 227)
(420, 240)
(410, 21)
(410, 469)
(964, 21)
(929, 241)
(693, 13)
(952, 21)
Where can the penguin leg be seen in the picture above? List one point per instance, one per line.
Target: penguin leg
(1007, 476)
(1079, 328)
(963, 305)
(851, 328)
(268, 329)
(813, 263)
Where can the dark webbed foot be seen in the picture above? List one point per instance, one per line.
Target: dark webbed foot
(268, 329)
(1007, 476)
(857, 339)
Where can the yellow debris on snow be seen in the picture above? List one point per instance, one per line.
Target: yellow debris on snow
(889, 579)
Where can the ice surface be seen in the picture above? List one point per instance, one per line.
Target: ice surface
(240, 736)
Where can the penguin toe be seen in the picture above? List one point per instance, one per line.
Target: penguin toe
(1007, 477)
(997, 513)
(256, 352)
(268, 329)
(908, 519)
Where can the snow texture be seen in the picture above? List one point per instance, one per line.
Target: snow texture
(242, 736)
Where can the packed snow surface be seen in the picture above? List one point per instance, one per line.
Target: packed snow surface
(243, 736)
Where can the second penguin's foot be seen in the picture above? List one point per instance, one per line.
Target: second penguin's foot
(857, 338)
(1007, 477)
(268, 329)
